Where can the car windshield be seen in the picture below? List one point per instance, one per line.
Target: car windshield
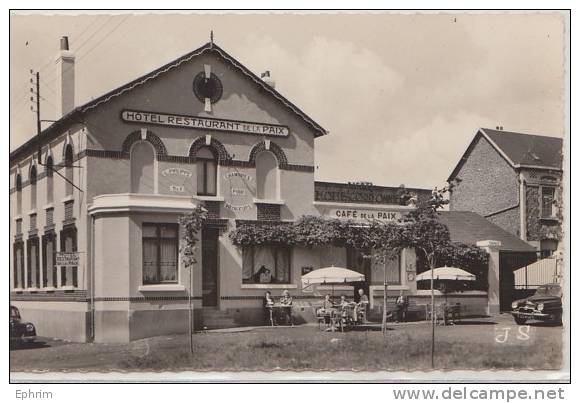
(549, 291)
(14, 312)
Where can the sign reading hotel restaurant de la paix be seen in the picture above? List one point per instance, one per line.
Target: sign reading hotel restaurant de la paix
(199, 122)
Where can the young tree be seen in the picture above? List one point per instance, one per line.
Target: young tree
(423, 231)
(191, 223)
(383, 238)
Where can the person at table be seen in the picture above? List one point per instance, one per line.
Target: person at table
(326, 309)
(360, 312)
(268, 303)
(327, 304)
(345, 306)
(286, 302)
(402, 304)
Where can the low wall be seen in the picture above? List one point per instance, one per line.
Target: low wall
(473, 303)
(150, 323)
(59, 320)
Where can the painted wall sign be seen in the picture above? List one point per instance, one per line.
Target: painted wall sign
(177, 188)
(197, 122)
(235, 174)
(177, 172)
(244, 207)
(358, 215)
(69, 259)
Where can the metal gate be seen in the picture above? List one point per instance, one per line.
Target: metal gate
(508, 263)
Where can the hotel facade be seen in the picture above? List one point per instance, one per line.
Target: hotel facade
(115, 175)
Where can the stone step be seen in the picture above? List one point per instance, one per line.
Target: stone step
(219, 324)
(216, 319)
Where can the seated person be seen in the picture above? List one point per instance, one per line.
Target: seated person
(326, 309)
(402, 305)
(286, 302)
(345, 306)
(268, 303)
(360, 312)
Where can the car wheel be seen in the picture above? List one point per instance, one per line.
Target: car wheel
(520, 321)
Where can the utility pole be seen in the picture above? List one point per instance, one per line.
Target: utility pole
(32, 99)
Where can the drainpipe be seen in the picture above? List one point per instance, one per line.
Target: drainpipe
(92, 278)
(523, 209)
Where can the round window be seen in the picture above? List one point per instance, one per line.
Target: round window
(204, 87)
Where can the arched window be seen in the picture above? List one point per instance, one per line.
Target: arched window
(206, 172)
(49, 180)
(18, 194)
(267, 176)
(68, 170)
(33, 187)
(142, 168)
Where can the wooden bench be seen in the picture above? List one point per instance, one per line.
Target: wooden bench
(413, 310)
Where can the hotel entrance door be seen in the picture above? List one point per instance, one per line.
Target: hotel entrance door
(209, 263)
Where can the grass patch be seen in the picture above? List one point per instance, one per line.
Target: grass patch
(405, 348)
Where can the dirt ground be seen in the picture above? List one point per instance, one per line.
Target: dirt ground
(489, 343)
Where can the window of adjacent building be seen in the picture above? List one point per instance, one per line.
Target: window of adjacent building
(548, 208)
(33, 187)
(19, 264)
(32, 219)
(33, 273)
(548, 247)
(68, 210)
(68, 169)
(49, 180)
(142, 168)
(49, 216)
(19, 226)
(266, 176)
(18, 194)
(160, 253)
(206, 172)
(68, 243)
(49, 273)
(266, 264)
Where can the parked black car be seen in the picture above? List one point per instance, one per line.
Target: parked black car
(20, 331)
(545, 305)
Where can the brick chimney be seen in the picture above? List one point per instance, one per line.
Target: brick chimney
(65, 79)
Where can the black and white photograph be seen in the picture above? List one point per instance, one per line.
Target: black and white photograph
(274, 193)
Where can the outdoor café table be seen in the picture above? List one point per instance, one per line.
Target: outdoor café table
(444, 313)
(278, 310)
(342, 316)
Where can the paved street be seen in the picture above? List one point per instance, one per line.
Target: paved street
(474, 343)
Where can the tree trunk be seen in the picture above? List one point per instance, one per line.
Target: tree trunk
(191, 317)
(385, 286)
(432, 320)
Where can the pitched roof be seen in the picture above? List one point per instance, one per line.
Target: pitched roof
(75, 115)
(520, 150)
(469, 227)
(528, 149)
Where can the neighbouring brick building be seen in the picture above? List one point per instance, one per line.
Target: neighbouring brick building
(515, 181)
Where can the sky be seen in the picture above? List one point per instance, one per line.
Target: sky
(402, 95)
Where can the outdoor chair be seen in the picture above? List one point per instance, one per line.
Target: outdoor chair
(323, 319)
(440, 314)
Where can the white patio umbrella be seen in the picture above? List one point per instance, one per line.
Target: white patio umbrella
(446, 273)
(332, 275)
